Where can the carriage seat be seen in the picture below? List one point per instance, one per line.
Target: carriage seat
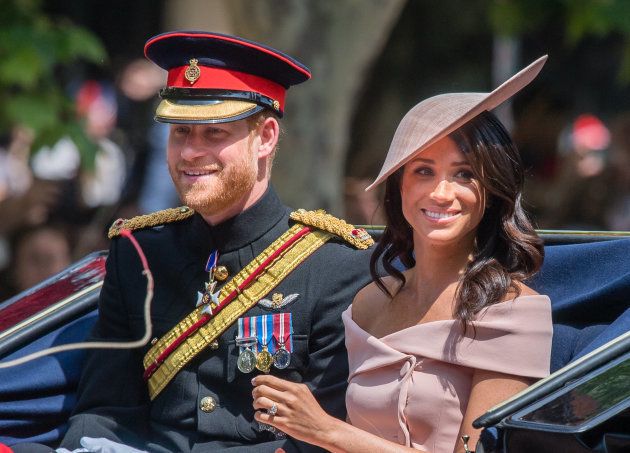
(587, 278)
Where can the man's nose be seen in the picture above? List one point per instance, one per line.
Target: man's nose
(192, 147)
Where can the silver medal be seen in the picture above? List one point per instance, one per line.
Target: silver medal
(282, 357)
(246, 361)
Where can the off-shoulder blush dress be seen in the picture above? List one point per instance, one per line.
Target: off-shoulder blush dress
(412, 386)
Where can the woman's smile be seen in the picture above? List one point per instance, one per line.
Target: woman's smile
(441, 217)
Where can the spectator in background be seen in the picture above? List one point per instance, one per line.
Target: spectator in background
(90, 195)
(579, 198)
(37, 252)
(24, 200)
(15, 175)
(151, 188)
(101, 186)
(618, 214)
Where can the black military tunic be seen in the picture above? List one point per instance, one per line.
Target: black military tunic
(208, 405)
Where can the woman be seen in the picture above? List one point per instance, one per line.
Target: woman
(433, 347)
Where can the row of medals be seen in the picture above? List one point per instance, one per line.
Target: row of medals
(248, 360)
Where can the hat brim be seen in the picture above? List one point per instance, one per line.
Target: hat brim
(193, 112)
(438, 116)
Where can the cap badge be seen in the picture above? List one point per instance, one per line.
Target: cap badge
(192, 72)
(276, 105)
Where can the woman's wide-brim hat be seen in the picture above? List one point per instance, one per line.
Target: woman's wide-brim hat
(436, 117)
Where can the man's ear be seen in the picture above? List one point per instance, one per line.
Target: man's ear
(269, 132)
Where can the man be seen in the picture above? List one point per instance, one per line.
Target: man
(243, 285)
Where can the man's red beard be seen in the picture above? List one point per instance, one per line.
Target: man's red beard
(226, 187)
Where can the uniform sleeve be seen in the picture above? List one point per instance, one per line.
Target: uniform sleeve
(112, 397)
(339, 279)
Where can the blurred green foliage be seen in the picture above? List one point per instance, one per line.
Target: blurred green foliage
(581, 19)
(34, 50)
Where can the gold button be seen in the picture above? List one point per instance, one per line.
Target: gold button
(207, 404)
(221, 273)
(214, 345)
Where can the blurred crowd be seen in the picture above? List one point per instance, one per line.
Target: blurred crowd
(55, 209)
(588, 187)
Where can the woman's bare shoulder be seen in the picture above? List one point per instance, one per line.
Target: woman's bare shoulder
(370, 300)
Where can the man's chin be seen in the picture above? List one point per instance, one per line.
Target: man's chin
(208, 206)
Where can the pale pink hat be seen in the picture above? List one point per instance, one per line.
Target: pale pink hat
(438, 116)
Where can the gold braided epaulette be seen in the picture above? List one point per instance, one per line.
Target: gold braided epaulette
(323, 221)
(150, 220)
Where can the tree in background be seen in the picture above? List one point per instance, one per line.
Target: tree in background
(339, 41)
(37, 53)
(579, 19)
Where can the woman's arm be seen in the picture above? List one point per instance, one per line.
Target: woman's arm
(489, 388)
(301, 417)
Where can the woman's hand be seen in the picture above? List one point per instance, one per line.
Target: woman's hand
(297, 413)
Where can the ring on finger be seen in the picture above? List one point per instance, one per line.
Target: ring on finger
(273, 410)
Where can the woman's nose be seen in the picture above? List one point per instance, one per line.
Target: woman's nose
(443, 191)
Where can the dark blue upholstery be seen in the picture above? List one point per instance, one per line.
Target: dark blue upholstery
(589, 286)
(37, 397)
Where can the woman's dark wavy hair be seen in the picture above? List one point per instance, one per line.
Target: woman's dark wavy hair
(507, 248)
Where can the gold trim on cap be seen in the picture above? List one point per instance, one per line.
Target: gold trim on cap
(198, 112)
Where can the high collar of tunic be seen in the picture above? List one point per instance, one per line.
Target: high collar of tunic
(244, 228)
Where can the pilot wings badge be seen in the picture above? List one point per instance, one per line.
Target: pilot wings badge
(278, 301)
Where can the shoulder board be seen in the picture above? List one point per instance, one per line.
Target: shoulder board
(150, 220)
(358, 237)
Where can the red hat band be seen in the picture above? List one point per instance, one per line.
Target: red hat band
(225, 79)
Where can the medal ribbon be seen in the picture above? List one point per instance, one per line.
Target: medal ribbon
(283, 330)
(269, 330)
(191, 335)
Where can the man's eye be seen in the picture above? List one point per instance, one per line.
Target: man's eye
(214, 131)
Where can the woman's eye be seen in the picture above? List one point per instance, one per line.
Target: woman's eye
(424, 171)
(465, 174)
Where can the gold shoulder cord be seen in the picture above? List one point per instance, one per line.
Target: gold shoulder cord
(150, 220)
(358, 237)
